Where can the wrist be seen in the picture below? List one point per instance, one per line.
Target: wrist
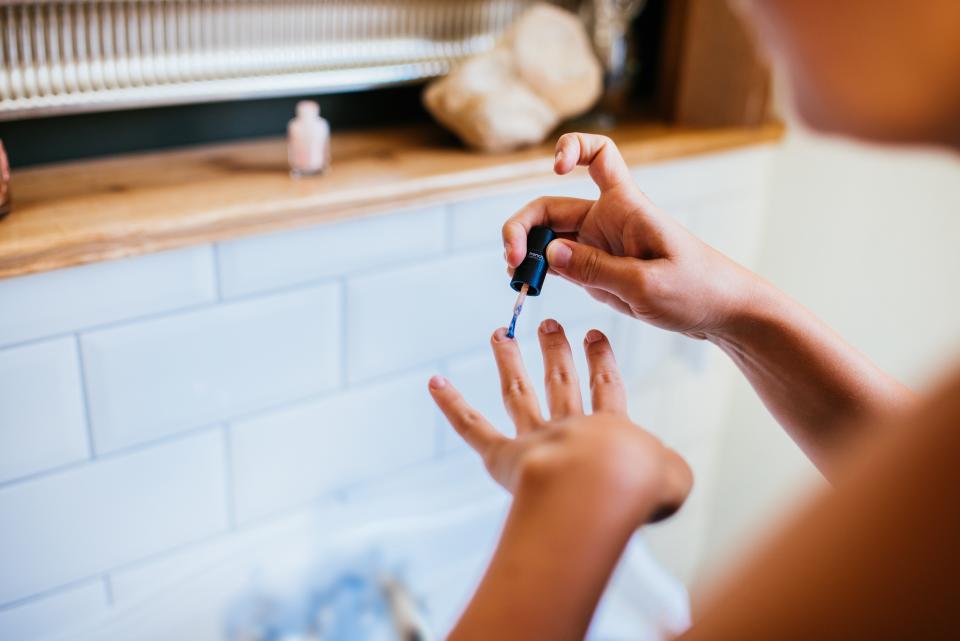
(633, 480)
(759, 304)
(567, 501)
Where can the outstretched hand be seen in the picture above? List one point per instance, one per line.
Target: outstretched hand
(602, 454)
(626, 252)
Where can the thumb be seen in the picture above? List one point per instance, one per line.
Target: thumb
(593, 267)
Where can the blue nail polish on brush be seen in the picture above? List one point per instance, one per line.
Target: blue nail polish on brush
(529, 276)
(516, 311)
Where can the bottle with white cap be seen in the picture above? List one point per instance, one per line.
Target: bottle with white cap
(308, 141)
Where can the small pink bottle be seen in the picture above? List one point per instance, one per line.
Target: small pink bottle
(5, 200)
(308, 141)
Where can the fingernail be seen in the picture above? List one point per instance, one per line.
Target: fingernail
(500, 335)
(549, 326)
(506, 252)
(438, 382)
(594, 336)
(559, 254)
(559, 157)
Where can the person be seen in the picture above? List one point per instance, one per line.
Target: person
(877, 555)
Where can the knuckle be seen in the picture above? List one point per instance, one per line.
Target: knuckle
(558, 376)
(598, 142)
(510, 226)
(541, 203)
(590, 268)
(605, 377)
(470, 419)
(602, 140)
(567, 137)
(515, 387)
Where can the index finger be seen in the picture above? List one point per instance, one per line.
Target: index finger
(599, 153)
(558, 213)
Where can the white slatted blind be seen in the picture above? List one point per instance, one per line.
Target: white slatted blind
(60, 56)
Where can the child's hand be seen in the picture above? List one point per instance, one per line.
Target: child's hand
(603, 456)
(626, 252)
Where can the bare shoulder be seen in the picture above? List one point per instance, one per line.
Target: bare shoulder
(875, 557)
(924, 440)
(939, 408)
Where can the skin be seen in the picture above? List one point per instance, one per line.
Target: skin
(555, 468)
(881, 70)
(632, 256)
(876, 556)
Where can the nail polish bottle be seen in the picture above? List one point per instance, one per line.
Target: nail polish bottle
(533, 269)
(529, 275)
(308, 141)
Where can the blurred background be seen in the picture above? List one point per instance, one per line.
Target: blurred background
(214, 345)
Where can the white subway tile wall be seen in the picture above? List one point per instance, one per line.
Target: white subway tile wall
(414, 315)
(80, 522)
(261, 263)
(42, 417)
(705, 178)
(156, 410)
(285, 458)
(64, 301)
(54, 613)
(477, 222)
(151, 379)
(443, 307)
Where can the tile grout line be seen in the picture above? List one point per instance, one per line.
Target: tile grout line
(129, 450)
(85, 395)
(112, 324)
(229, 477)
(217, 281)
(108, 589)
(448, 215)
(344, 322)
(50, 592)
(122, 566)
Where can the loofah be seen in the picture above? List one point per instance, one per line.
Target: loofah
(542, 70)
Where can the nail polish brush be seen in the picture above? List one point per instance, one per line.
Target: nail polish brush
(528, 277)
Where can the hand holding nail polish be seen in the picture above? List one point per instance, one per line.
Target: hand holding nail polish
(626, 252)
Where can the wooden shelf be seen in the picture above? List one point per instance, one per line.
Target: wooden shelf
(83, 212)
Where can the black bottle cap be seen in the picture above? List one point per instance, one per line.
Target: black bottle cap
(534, 267)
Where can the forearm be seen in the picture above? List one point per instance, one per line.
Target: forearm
(554, 558)
(875, 557)
(818, 387)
